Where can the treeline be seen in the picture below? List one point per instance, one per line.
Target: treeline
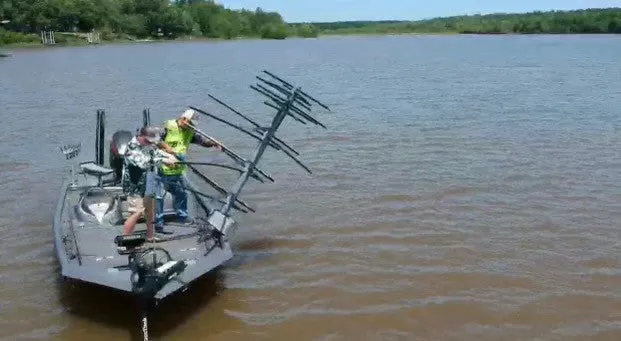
(144, 19)
(163, 19)
(606, 20)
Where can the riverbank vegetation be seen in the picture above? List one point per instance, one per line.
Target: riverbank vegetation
(140, 19)
(605, 20)
(129, 20)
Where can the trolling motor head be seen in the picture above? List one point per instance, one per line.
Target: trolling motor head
(151, 267)
(150, 275)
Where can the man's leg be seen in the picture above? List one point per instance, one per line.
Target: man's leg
(154, 186)
(136, 209)
(149, 215)
(181, 198)
(130, 223)
(161, 185)
(160, 193)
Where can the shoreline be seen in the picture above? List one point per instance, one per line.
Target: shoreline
(589, 21)
(120, 41)
(79, 43)
(467, 34)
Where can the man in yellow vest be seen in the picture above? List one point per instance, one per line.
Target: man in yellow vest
(176, 138)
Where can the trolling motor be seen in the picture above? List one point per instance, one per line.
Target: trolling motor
(147, 279)
(150, 276)
(151, 267)
(149, 273)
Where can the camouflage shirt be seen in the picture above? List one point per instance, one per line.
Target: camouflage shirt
(139, 160)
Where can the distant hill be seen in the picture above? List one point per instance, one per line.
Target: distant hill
(592, 20)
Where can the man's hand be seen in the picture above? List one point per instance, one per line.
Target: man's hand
(164, 146)
(211, 143)
(170, 160)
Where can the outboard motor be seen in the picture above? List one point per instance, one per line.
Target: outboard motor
(118, 147)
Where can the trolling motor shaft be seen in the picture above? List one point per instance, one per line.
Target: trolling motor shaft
(147, 276)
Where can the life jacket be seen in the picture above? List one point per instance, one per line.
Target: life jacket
(179, 140)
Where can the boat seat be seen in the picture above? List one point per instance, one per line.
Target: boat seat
(100, 205)
(92, 168)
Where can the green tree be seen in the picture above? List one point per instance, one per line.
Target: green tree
(602, 20)
(141, 18)
(307, 31)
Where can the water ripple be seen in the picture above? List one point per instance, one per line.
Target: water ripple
(467, 192)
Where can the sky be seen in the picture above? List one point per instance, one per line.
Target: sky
(343, 10)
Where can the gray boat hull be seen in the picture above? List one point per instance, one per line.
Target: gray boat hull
(89, 218)
(84, 240)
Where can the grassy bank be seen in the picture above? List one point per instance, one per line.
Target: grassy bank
(31, 40)
(13, 40)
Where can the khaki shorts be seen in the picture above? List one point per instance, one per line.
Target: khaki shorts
(135, 204)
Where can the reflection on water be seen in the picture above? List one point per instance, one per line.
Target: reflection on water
(118, 310)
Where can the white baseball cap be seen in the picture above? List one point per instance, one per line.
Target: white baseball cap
(189, 115)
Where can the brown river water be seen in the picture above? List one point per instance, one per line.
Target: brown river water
(467, 188)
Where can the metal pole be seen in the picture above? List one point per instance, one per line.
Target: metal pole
(265, 141)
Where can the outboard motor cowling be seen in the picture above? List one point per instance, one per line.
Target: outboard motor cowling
(118, 147)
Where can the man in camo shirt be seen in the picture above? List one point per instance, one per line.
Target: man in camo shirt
(141, 161)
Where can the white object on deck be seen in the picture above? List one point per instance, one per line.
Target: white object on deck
(226, 225)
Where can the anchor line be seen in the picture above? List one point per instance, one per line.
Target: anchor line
(145, 328)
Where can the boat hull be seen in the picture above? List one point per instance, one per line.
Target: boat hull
(86, 250)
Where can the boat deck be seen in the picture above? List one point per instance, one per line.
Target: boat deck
(97, 246)
(88, 223)
(93, 221)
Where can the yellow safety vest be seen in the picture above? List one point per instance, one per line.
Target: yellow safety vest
(179, 141)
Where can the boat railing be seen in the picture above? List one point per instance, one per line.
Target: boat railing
(67, 220)
(75, 241)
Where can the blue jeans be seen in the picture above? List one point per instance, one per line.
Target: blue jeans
(152, 184)
(175, 184)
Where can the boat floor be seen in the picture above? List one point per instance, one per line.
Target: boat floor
(97, 247)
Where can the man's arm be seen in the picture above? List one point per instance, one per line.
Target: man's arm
(143, 159)
(164, 157)
(137, 157)
(163, 145)
(205, 142)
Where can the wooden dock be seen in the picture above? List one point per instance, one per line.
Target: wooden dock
(48, 38)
